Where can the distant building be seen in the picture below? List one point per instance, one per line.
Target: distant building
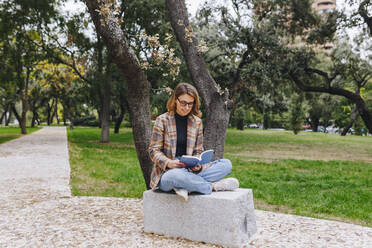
(324, 6)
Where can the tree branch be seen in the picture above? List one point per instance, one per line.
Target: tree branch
(236, 79)
(363, 12)
(323, 74)
(330, 90)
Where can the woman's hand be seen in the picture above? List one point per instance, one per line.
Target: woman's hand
(175, 164)
(196, 168)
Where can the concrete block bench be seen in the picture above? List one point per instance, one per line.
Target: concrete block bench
(223, 218)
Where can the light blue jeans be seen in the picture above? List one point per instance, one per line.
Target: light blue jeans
(201, 182)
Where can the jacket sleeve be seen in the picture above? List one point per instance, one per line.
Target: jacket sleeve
(157, 145)
(199, 141)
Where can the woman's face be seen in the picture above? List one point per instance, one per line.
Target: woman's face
(184, 104)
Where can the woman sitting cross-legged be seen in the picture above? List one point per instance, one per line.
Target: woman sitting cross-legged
(180, 132)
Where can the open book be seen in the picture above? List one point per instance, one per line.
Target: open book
(192, 161)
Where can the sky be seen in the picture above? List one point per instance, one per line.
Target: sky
(73, 6)
(192, 6)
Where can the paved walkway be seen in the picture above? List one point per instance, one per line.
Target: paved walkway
(37, 209)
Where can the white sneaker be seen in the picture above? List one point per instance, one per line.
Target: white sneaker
(226, 184)
(183, 193)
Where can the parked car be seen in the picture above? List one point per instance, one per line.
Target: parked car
(332, 129)
(322, 129)
(253, 125)
(307, 128)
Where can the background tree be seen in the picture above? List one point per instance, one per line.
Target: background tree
(296, 113)
(106, 23)
(20, 25)
(217, 102)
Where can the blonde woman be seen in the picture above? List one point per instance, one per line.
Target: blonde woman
(180, 132)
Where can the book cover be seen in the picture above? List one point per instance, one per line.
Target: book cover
(192, 161)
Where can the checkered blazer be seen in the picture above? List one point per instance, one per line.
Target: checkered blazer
(164, 143)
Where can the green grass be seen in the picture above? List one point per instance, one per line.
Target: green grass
(104, 169)
(339, 189)
(9, 133)
(310, 174)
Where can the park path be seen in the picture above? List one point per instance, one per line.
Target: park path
(38, 210)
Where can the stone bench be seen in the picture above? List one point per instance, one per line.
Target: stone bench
(222, 218)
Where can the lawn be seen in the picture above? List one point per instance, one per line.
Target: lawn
(9, 133)
(310, 174)
(104, 169)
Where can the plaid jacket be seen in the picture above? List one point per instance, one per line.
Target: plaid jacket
(164, 143)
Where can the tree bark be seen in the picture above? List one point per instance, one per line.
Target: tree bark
(69, 116)
(119, 119)
(118, 122)
(64, 117)
(49, 110)
(354, 115)
(23, 116)
(135, 78)
(363, 12)
(15, 114)
(105, 114)
(33, 119)
(314, 123)
(7, 119)
(217, 102)
(3, 116)
(66, 107)
(54, 113)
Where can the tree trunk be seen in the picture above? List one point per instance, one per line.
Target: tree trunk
(15, 114)
(138, 86)
(37, 118)
(354, 115)
(66, 108)
(69, 116)
(23, 116)
(99, 118)
(49, 110)
(106, 102)
(64, 117)
(33, 119)
(7, 119)
(119, 120)
(217, 102)
(2, 117)
(54, 109)
(314, 123)
(364, 13)
(364, 113)
(56, 112)
(105, 115)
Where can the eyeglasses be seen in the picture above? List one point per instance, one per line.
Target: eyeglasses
(184, 103)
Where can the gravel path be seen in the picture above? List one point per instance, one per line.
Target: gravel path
(37, 209)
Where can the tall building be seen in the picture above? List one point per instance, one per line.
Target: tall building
(324, 6)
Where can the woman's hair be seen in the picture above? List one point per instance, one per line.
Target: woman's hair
(184, 88)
